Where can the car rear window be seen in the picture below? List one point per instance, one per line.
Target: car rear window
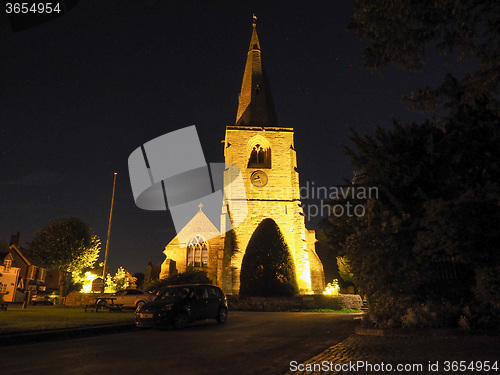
(174, 293)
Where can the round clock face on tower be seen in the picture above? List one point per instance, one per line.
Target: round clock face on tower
(258, 178)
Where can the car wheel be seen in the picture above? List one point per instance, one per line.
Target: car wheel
(180, 321)
(138, 305)
(222, 315)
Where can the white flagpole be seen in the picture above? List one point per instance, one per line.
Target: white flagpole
(109, 234)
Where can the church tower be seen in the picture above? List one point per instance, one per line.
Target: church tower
(266, 156)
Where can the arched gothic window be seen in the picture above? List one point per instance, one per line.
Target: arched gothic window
(197, 252)
(260, 157)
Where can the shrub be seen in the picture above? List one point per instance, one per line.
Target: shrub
(267, 268)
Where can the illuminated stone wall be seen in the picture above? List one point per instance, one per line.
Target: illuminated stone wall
(278, 199)
(275, 195)
(200, 225)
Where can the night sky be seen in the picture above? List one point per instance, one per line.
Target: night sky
(78, 94)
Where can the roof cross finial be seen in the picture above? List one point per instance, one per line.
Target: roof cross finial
(254, 20)
(201, 206)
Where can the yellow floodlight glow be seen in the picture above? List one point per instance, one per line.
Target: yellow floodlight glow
(332, 289)
(87, 282)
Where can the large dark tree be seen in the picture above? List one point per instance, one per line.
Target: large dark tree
(68, 245)
(407, 32)
(267, 268)
(426, 252)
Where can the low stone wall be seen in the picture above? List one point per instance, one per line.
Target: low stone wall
(238, 303)
(81, 299)
(316, 301)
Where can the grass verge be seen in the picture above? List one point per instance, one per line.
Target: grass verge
(35, 319)
(342, 311)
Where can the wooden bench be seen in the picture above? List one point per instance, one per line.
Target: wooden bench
(91, 307)
(115, 307)
(3, 306)
(101, 303)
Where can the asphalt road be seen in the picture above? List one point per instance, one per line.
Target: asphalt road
(249, 343)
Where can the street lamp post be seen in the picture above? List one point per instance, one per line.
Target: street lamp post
(109, 234)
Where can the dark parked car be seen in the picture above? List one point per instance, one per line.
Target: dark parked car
(132, 298)
(48, 297)
(179, 305)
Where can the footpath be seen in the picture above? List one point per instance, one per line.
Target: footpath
(430, 352)
(433, 353)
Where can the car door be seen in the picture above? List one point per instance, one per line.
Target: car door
(120, 297)
(199, 303)
(132, 296)
(213, 302)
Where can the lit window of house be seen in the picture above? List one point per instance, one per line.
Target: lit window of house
(32, 273)
(3, 288)
(41, 274)
(7, 263)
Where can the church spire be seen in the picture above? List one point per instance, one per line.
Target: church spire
(256, 106)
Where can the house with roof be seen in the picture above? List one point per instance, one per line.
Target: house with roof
(18, 275)
(9, 274)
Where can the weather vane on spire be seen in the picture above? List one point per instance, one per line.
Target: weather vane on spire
(254, 20)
